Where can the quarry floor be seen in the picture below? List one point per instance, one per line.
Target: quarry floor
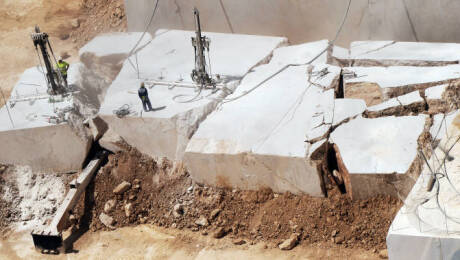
(147, 242)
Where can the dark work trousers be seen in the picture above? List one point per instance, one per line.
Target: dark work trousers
(146, 103)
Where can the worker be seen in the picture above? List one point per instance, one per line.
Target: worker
(144, 96)
(63, 67)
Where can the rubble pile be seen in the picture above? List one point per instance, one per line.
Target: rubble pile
(134, 189)
(29, 199)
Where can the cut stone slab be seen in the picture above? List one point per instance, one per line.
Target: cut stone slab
(102, 60)
(347, 108)
(391, 53)
(32, 138)
(178, 110)
(403, 105)
(428, 219)
(111, 141)
(340, 57)
(374, 153)
(378, 84)
(257, 140)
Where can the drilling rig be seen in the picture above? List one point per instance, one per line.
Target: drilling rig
(54, 79)
(201, 43)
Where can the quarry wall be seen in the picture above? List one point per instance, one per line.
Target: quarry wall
(307, 20)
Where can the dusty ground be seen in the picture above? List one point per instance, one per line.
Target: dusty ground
(18, 18)
(148, 242)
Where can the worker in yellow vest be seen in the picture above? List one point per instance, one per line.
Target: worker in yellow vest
(63, 67)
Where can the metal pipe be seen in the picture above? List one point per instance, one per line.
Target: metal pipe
(178, 84)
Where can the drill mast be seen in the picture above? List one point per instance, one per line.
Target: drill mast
(53, 78)
(200, 43)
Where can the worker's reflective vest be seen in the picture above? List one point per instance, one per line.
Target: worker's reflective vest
(62, 66)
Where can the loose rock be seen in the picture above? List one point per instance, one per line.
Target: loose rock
(128, 209)
(75, 23)
(202, 221)
(214, 213)
(239, 242)
(383, 254)
(107, 220)
(220, 232)
(339, 239)
(111, 140)
(289, 243)
(109, 205)
(122, 187)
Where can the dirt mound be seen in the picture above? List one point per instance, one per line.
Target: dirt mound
(167, 197)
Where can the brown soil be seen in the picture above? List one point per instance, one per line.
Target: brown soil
(260, 216)
(97, 16)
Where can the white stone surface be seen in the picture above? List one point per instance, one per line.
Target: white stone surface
(436, 91)
(340, 53)
(410, 98)
(379, 146)
(347, 108)
(257, 140)
(405, 51)
(302, 53)
(170, 57)
(393, 102)
(29, 114)
(429, 219)
(397, 76)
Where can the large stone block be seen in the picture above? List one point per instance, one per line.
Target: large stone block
(178, 109)
(378, 156)
(256, 139)
(42, 132)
